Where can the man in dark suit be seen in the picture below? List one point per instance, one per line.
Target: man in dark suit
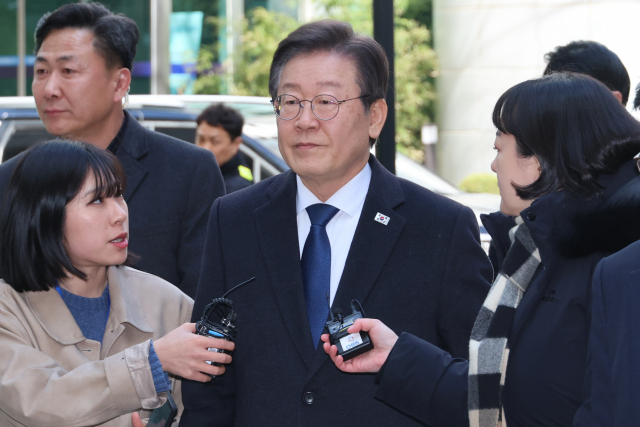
(84, 57)
(337, 227)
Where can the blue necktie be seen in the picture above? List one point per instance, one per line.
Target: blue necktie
(316, 267)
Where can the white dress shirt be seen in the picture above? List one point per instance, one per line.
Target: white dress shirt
(350, 200)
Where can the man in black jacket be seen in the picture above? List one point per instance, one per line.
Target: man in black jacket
(84, 56)
(337, 227)
(220, 131)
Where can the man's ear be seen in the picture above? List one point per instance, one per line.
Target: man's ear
(123, 82)
(237, 141)
(377, 117)
(618, 95)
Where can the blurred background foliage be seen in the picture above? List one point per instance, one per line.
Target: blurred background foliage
(480, 183)
(247, 71)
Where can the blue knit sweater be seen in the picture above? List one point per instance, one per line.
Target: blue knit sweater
(91, 315)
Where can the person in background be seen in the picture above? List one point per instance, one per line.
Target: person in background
(85, 340)
(595, 60)
(220, 131)
(569, 187)
(82, 73)
(585, 57)
(336, 227)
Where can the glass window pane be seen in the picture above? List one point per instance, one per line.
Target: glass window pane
(8, 48)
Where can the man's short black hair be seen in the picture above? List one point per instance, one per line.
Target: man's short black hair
(115, 36)
(33, 254)
(575, 128)
(371, 63)
(593, 59)
(221, 115)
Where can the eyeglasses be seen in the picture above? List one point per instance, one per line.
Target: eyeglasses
(324, 107)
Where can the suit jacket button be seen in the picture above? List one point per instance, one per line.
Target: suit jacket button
(531, 216)
(308, 398)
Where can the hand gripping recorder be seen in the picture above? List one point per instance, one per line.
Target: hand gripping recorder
(349, 345)
(219, 321)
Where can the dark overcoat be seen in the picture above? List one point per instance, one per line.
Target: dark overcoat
(171, 185)
(424, 272)
(615, 340)
(547, 378)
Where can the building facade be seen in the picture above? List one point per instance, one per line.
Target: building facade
(155, 66)
(487, 46)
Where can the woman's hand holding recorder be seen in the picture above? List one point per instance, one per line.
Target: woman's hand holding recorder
(185, 354)
(383, 340)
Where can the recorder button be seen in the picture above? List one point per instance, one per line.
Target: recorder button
(308, 398)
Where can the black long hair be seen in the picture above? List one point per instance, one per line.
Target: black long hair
(574, 126)
(47, 177)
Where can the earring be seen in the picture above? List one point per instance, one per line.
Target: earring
(125, 98)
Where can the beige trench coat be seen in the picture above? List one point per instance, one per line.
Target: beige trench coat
(51, 375)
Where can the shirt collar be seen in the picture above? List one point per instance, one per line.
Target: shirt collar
(348, 199)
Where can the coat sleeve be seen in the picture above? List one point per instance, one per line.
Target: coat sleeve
(467, 280)
(176, 382)
(211, 403)
(206, 186)
(425, 383)
(599, 409)
(422, 380)
(36, 390)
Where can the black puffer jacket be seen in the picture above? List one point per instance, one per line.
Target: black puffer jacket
(545, 375)
(546, 381)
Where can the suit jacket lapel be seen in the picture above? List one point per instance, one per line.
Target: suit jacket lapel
(276, 222)
(133, 147)
(372, 243)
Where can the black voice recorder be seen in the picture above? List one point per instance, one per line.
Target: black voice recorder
(219, 321)
(349, 345)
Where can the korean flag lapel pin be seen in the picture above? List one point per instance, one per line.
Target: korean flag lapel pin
(382, 219)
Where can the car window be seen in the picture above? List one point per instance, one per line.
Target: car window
(183, 133)
(18, 137)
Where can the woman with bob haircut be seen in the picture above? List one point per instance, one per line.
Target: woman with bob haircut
(85, 340)
(569, 189)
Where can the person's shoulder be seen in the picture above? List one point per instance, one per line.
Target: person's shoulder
(160, 142)
(6, 291)
(624, 264)
(6, 168)
(417, 198)
(157, 146)
(235, 182)
(150, 286)
(253, 195)
(10, 299)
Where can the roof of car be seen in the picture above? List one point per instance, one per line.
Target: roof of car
(149, 107)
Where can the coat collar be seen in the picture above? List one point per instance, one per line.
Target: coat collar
(573, 226)
(371, 246)
(135, 138)
(278, 239)
(569, 227)
(372, 242)
(56, 319)
(125, 302)
(133, 148)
